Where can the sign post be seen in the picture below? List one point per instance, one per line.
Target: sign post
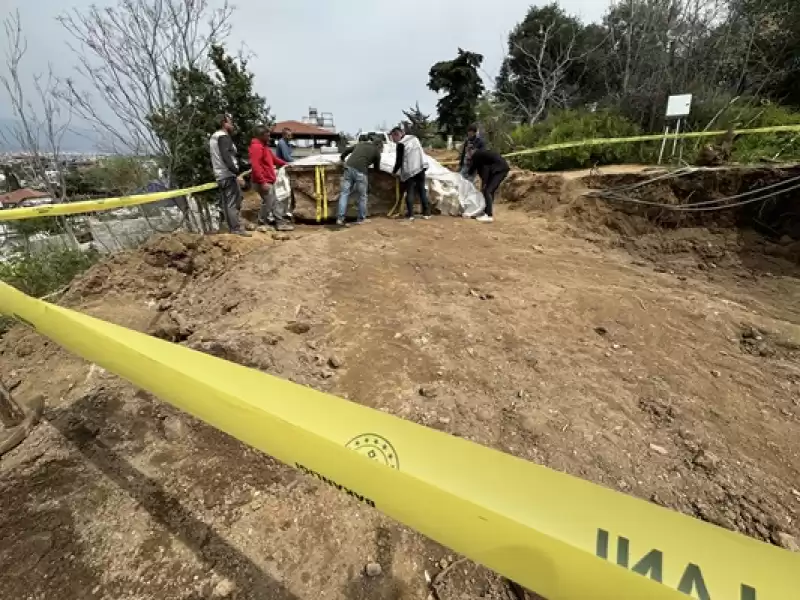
(678, 108)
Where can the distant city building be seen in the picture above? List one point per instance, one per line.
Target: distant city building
(306, 137)
(24, 197)
(323, 120)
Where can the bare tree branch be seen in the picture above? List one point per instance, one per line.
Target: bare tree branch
(40, 130)
(127, 55)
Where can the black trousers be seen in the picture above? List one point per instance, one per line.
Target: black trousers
(416, 186)
(493, 181)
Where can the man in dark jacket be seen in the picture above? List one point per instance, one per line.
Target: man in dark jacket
(263, 163)
(358, 159)
(226, 172)
(473, 143)
(493, 169)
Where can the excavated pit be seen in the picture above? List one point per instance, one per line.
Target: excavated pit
(616, 209)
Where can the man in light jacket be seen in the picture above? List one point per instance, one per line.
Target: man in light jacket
(284, 152)
(226, 172)
(411, 165)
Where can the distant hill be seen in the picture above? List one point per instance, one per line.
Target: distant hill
(76, 140)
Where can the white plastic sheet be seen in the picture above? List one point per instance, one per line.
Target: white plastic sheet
(451, 193)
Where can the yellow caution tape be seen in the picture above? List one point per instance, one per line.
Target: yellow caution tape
(318, 192)
(73, 208)
(324, 195)
(565, 538)
(653, 138)
(645, 138)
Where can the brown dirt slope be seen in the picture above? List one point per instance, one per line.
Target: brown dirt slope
(565, 346)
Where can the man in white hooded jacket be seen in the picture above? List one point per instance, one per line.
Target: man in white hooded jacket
(411, 166)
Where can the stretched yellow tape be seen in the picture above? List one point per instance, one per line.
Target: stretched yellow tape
(565, 538)
(653, 138)
(73, 208)
(645, 138)
(324, 194)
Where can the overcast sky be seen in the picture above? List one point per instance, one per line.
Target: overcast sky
(362, 60)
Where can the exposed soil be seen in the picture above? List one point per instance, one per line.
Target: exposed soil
(662, 363)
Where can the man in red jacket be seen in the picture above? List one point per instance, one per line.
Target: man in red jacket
(264, 176)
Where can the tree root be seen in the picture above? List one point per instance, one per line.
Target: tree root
(14, 437)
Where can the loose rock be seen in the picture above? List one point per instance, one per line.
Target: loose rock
(230, 305)
(787, 541)
(224, 589)
(175, 429)
(298, 327)
(335, 362)
(659, 449)
(706, 460)
(373, 570)
(427, 392)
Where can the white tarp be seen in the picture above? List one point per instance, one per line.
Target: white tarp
(449, 192)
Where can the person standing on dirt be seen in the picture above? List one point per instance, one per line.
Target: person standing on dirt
(226, 171)
(411, 165)
(264, 176)
(493, 169)
(358, 160)
(284, 150)
(473, 143)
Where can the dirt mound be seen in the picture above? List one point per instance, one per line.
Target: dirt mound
(535, 192)
(160, 267)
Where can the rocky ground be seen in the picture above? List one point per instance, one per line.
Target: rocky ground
(664, 365)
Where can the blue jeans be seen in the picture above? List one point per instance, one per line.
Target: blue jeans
(353, 181)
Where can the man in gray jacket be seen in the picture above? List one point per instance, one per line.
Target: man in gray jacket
(226, 172)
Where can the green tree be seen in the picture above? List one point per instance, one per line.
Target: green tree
(546, 63)
(497, 122)
(462, 86)
(121, 175)
(200, 96)
(419, 124)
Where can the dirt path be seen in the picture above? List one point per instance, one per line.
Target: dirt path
(678, 387)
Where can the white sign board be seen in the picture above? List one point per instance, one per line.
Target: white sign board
(679, 106)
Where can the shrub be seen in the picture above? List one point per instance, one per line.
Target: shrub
(576, 125)
(746, 113)
(45, 272)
